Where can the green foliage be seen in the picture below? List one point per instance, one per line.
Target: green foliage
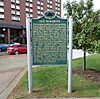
(86, 25)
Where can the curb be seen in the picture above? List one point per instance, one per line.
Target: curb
(13, 84)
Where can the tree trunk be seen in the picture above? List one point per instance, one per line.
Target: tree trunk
(84, 62)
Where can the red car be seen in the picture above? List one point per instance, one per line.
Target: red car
(16, 49)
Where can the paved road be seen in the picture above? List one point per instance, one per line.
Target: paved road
(12, 61)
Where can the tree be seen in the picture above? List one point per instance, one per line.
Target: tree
(86, 26)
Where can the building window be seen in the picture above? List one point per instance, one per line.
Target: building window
(59, 1)
(17, 1)
(59, 9)
(30, 0)
(1, 9)
(42, 12)
(50, 6)
(17, 12)
(31, 5)
(58, 5)
(31, 15)
(13, 6)
(13, 1)
(39, 12)
(1, 16)
(39, 7)
(56, 8)
(16, 18)
(58, 12)
(1, 3)
(50, 2)
(13, 12)
(27, 9)
(27, 4)
(27, 14)
(39, 2)
(31, 10)
(18, 7)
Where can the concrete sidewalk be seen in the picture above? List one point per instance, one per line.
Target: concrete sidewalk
(9, 79)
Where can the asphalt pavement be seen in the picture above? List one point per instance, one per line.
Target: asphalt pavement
(12, 61)
(12, 68)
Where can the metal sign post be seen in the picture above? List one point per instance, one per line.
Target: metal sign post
(29, 58)
(70, 56)
(49, 44)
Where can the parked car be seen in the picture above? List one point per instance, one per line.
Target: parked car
(3, 47)
(14, 43)
(17, 49)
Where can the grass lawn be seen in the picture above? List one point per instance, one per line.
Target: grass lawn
(51, 81)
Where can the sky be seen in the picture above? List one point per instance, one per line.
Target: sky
(96, 5)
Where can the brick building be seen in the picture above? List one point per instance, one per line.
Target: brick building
(13, 16)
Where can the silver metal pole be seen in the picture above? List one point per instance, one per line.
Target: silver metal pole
(29, 55)
(70, 55)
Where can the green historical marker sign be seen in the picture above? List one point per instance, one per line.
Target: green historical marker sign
(49, 40)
